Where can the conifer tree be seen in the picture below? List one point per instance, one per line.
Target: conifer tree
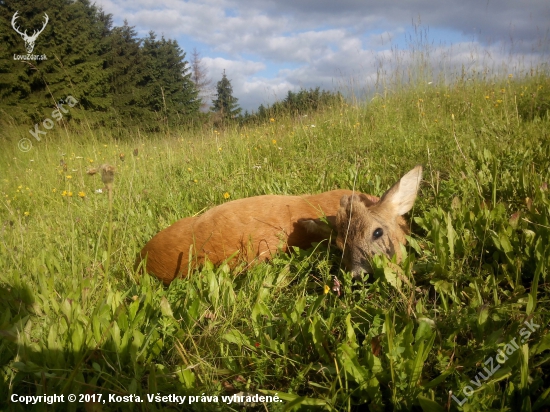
(125, 68)
(109, 71)
(166, 83)
(74, 44)
(225, 104)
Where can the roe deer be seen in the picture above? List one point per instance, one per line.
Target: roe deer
(257, 227)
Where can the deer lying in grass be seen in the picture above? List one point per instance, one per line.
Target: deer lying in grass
(256, 228)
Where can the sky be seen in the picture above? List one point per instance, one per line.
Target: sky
(268, 47)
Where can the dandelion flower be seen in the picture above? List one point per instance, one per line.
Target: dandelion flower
(70, 194)
(274, 141)
(81, 194)
(26, 213)
(226, 195)
(64, 193)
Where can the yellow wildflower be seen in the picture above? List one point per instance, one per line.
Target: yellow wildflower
(81, 194)
(69, 177)
(271, 119)
(226, 195)
(274, 141)
(26, 213)
(327, 289)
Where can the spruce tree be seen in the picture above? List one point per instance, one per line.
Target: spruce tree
(108, 70)
(74, 44)
(124, 63)
(225, 104)
(166, 86)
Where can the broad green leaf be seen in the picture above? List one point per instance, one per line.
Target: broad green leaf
(318, 337)
(77, 337)
(436, 381)
(428, 405)
(165, 307)
(542, 345)
(352, 340)
(235, 336)
(483, 315)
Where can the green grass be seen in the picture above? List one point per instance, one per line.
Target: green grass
(476, 268)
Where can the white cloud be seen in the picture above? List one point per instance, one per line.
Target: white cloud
(327, 43)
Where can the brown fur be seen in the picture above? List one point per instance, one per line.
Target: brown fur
(252, 228)
(256, 228)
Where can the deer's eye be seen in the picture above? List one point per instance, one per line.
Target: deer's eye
(377, 233)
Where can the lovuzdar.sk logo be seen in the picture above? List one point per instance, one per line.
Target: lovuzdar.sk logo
(29, 40)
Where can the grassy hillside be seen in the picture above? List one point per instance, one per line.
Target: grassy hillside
(75, 318)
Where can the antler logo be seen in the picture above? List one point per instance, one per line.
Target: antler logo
(29, 40)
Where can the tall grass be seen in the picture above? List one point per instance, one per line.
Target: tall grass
(409, 338)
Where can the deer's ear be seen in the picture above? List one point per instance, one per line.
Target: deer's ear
(319, 227)
(401, 196)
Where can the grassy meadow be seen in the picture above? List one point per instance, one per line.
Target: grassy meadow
(76, 318)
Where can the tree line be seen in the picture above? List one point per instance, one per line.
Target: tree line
(117, 78)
